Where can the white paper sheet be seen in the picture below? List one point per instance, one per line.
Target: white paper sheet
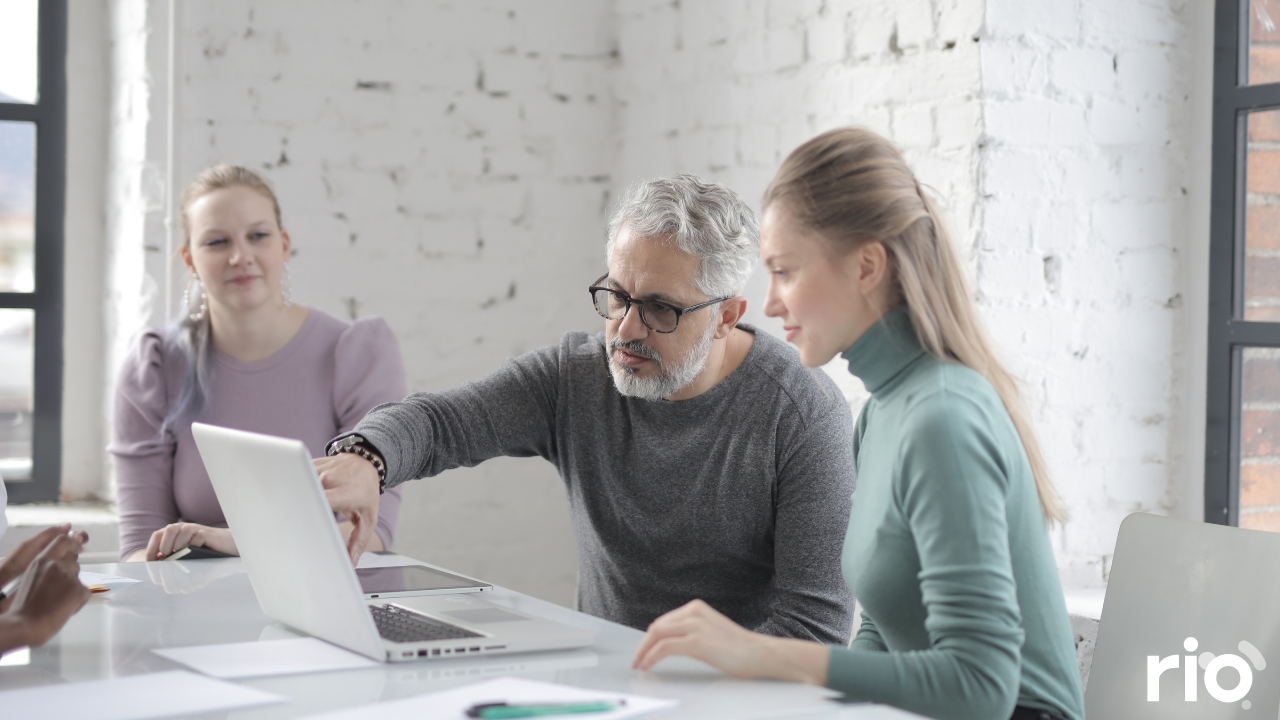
(294, 656)
(115, 582)
(452, 704)
(15, 657)
(138, 697)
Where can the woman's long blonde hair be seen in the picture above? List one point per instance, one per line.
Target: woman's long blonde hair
(193, 336)
(852, 186)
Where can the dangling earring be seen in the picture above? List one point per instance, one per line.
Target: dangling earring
(198, 315)
(286, 287)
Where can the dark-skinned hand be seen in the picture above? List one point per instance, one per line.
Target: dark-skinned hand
(48, 594)
(18, 561)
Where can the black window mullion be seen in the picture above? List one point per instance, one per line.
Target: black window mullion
(1233, 99)
(20, 111)
(49, 116)
(1223, 211)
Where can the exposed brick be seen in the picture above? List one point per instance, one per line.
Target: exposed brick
(1264, 125)
(1261, 277)
(1264, 172)
(1260, 430)
(1262, 314)
(1262, 229)
(1259, 485)
(492, 88)
(1264, 64)
(1268, 521)
(1260, 381)
(1258, 32)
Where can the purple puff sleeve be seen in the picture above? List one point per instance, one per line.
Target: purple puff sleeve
(369, 371)
(141, 456)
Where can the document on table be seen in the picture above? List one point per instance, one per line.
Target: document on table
(114, 582)
(137, 697)
(453, 704)
(294, 656)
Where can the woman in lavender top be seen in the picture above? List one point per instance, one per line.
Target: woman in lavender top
(244, 357)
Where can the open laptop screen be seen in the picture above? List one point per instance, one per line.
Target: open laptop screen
(408, 580)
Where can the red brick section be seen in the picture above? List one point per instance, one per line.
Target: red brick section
(1261, 277)
(1262, 217)
(1262, 229)
(1261, 431)
(1260, 381)
(1264, 64)
(1262, 314)
(1269, 521)
(1258, 32)
(1262, 282)
(1260, 384)
(1264, 172)
(1264, 126)
(1259, 485)
(1260, 441)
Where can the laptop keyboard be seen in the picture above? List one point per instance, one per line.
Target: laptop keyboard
(404, 626)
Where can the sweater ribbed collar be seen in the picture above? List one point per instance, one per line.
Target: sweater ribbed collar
(885, 349)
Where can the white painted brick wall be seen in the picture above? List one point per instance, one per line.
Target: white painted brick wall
(450, 167)
(1092, 206)
(445, 166)
(1059, 138)
(727, 89)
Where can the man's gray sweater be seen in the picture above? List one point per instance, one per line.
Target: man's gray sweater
(739, 496)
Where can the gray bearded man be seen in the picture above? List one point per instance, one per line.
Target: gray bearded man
(701, 458)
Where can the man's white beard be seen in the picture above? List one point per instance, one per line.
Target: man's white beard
(666, 381)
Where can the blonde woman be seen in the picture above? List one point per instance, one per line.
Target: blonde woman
(243, 356)
(947, 545)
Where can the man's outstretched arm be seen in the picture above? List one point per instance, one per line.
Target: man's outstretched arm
(511, 412)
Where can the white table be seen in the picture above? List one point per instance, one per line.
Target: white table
(211, 601)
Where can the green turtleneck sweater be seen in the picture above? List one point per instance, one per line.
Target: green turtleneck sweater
(947, 547)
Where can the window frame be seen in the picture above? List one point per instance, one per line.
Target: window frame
(1229, 335)
(49, 114)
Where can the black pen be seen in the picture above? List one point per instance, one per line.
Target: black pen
(503, 711)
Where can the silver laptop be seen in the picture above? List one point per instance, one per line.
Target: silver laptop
(1190, 624)
(302, 574)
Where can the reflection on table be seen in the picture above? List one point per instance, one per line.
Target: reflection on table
(206, 602)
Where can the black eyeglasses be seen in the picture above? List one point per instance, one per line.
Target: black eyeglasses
(657, 316)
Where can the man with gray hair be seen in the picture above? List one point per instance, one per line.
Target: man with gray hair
(701, 458)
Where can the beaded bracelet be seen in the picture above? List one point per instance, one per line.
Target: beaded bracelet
(371, 457)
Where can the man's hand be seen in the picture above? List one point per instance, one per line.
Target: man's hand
(181, 534)
(49, 593)
(351, 485)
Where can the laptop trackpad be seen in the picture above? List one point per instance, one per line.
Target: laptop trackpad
(485, 615)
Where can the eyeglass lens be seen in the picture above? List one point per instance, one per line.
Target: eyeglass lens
(613, 306)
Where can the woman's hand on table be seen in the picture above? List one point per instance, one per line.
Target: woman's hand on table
(181, 534)
(700, 631)
(351, 486)
(49, 592)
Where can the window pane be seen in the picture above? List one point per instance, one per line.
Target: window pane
(17, 206)
(1262, 218)
(17, 337)
(18, 56)
(1260, 439)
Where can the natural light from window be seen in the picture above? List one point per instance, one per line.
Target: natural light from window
(18, 76)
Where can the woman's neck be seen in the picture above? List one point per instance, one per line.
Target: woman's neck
(256, 334)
